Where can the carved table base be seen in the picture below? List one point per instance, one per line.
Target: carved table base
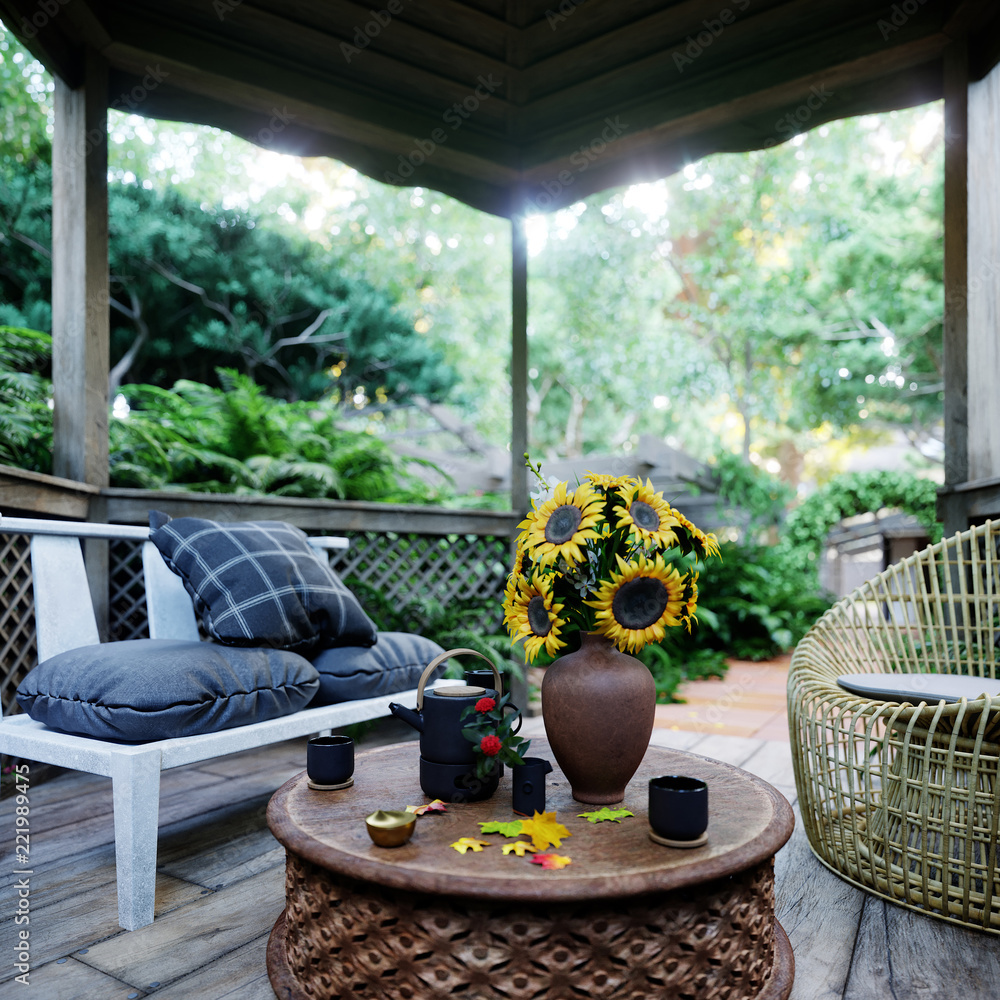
(344, 939)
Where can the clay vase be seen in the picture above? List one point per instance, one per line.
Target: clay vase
(598, 706)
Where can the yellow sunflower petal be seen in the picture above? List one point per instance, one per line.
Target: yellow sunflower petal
(638, 604)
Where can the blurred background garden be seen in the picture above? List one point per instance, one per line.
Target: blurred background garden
(288, 326)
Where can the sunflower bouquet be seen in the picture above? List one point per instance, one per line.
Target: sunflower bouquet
(610, 556)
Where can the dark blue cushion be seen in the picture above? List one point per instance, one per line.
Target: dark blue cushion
(394, 663)
(260, 583)
(153, 689)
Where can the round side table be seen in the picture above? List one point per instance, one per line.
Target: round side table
(627, 919)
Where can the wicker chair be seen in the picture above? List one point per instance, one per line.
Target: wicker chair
(902, 800)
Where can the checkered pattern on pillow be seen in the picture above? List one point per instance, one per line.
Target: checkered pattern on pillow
(259, 583)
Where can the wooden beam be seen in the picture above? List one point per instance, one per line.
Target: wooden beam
(80, 344)
(956, 90)
(519, 365)
(983, 276)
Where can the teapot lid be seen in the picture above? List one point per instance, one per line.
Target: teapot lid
(463, 691)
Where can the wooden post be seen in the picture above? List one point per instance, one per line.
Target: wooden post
(519, 366)
(518, 685)
(80, 321)
(983, 277)
(80, 335)
(956, 368)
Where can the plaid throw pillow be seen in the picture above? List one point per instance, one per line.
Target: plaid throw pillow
(259, 583)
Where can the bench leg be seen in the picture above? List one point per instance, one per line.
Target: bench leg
(136, 788)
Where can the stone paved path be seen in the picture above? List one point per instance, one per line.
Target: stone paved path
(749, 701)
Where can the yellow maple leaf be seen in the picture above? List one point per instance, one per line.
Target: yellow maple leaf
(464, 844)
(544, 830)
(518, 847)
(551, 861)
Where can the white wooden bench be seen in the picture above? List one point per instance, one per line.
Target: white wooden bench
(64, 619)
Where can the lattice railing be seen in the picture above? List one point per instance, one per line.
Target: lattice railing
(403, 567)
(17, 616)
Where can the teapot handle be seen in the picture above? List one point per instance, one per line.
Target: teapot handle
(438, 660)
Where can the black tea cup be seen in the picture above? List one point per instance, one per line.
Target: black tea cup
(330, 760)
(678, 807)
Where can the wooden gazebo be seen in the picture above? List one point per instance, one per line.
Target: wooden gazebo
(516, 106)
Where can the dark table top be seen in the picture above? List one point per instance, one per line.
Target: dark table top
(748, 821)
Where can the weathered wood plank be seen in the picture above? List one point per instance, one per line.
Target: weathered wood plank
(97, 829)
(128, 506)
(78, 919)
(519, 365)
(984, 276)
(87, 797)
(222, 847)
(80, 318)
(240, 975)
(820, 914)
(909, 956)
(956, 234)
(195, 935)
(72, 980)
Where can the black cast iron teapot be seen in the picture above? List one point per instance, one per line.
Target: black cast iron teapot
(438, 715)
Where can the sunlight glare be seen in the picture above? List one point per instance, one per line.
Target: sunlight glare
(536, 228)
(650, 199)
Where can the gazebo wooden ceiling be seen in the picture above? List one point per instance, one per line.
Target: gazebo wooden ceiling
(514, 105)
(507, 102)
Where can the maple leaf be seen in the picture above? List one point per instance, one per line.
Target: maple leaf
(544, 830)
(604, 813)
(511, 829)
(551, 861)
(464, 844)
(437, 806)
(518, 847)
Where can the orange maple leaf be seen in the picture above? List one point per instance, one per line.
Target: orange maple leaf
(544, 830)
(551, 861)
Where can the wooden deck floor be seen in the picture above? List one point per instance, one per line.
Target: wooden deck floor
(220, 888)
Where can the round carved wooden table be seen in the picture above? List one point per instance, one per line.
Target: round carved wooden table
(627, 919)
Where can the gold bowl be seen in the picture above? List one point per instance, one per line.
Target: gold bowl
(390, 828)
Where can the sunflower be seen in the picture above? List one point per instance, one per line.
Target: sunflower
(607, 482)
(636, 605)
(562, 524)
(650, 519)
(691, 604)
(708, 543)
(532, 614)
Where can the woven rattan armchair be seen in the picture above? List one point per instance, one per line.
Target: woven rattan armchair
(902, 800)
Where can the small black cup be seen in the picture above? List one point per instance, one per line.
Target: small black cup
(330, 759)
(678, 807)
(529, 785)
